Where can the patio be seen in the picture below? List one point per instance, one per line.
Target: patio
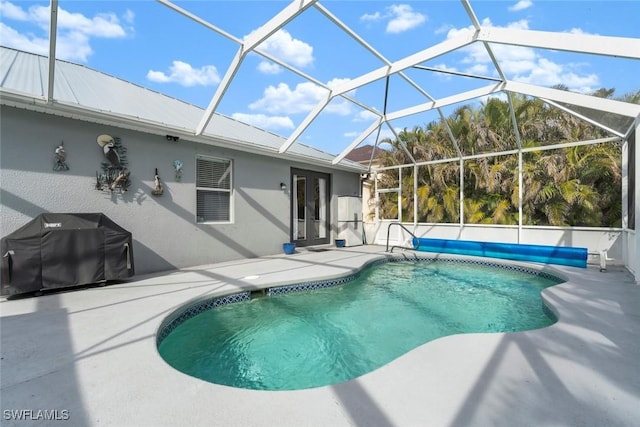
(92, 352)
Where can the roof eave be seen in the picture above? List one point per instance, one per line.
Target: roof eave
(109, 118)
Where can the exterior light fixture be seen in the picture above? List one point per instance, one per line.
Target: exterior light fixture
(283, 186)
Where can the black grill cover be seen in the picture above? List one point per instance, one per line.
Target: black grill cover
(56, 250)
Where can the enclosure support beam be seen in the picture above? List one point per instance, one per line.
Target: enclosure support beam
(376, 200)
(357, 141)
(250, 42)
(404, 63)
(619, 47)
(53, 30)
(636, 203)
(600, 104)
(415, 197)
(222, 89)
(520, 195)
(400, 199)
(583, 117)
(461, 207)
(625, 188)
(306, 123)
(449, 100)
(199, 20)
(516, 132)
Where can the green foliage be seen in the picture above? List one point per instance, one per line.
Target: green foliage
(576, 186)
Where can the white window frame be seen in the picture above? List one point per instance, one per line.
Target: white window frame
(215, 190)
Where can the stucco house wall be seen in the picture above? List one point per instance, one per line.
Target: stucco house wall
(165, 232)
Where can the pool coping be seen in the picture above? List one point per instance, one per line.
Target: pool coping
(93, 352)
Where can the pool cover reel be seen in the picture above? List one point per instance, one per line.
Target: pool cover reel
(575, 257)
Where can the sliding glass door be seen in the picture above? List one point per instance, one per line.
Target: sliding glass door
(309, 207)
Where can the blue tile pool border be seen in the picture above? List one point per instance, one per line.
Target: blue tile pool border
(182, 315)
(318, 284)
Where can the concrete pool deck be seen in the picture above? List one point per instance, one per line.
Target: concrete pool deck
(91, 355)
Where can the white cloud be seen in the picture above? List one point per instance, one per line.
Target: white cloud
(185, 75)
(404, 18)
(521, 24)
(373, 17)
(263, 121)
(365, 116)
(339, 106)
(337, 82)
(443, 28)
(11, 11)
(75, 30)
(12, 38)
(444, 67)
(288, 49)
(548, 73)
(277, 103)
(522, 63)
(521, 5)
(400, 17)
(580, 31)
(74, 45)
(106, 25)
(515, 65)
(129, 16)
(385, 132)
(479, 69)
(282, 99)
(268, 67)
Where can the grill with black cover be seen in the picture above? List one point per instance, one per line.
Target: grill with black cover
(58, 250)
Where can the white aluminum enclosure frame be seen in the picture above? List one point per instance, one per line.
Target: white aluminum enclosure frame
(613, 47)
(620, 47)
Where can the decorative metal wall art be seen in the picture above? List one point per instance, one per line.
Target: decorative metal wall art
(177, 166)
(157, 188)
(114, 176)
(60, 158)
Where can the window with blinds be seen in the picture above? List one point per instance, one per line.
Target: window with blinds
(213, 189)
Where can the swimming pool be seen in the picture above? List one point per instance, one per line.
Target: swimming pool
(299, 340)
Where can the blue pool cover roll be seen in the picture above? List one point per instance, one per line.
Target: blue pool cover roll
(574, 257)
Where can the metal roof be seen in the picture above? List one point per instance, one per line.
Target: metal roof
(84, 93)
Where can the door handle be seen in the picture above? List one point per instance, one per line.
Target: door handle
(126, 245)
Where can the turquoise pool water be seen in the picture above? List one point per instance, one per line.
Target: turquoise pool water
(309, 339)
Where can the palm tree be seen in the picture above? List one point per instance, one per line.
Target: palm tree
(571, 186)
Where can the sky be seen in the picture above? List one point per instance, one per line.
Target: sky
(147, 43)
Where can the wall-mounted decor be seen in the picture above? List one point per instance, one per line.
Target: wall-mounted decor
(157, 187)
(60, 158)
(114, 176)
(177, 166)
